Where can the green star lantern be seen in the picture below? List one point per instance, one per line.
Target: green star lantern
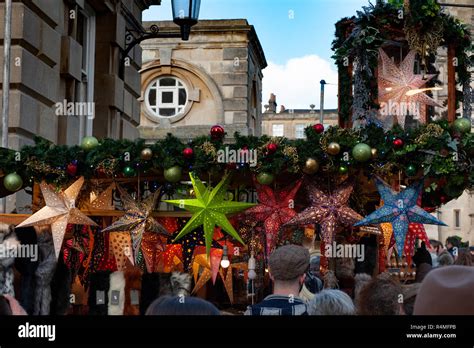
(209, 210)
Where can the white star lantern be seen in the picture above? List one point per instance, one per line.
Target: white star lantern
(400, 89)
(60, 210)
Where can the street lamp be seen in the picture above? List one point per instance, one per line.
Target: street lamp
(185, 14)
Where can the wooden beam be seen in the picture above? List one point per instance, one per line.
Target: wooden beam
(451, 84)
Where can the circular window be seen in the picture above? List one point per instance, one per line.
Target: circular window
(166, 97)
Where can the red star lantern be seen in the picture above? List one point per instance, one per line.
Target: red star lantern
(275, 208)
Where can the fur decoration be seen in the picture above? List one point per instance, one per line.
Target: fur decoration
(44, 272)
(117, 283)
(27, 266)
(99, 281)
(155, 285)
(180, 284)
(8, 242)
(133, 282)
(61, 288)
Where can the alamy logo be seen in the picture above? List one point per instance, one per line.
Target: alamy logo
(37, 331)
(9, 250)
(66, 108)
(400, 108)
(229, 155)
(353, 251)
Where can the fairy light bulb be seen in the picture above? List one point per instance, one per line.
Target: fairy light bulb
(225, 263)
(251, 266)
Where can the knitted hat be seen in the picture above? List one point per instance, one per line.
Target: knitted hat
(447, 291)
(289, 262)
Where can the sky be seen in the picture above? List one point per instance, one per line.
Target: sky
(296, 37)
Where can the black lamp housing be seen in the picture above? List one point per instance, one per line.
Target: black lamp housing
(185, 14)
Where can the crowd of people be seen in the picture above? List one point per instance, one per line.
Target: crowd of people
(444, 285)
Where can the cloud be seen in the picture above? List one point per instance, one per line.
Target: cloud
(296, 83)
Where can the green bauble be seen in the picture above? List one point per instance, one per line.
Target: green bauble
(362, 152)
(13, 182)
(89, 143)
(265, 178)
(462, 125)
(343, 169)
(411, 170)
(129, 172)
(173, 174)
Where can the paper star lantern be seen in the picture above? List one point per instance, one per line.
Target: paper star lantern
(209, 210)
(327, 210)
(121, 245)
(190, 242)
(415, 231)
(138, 218)
(103, 201)
(60, 210)
(275, 208)
(399, 209)
(396, 81)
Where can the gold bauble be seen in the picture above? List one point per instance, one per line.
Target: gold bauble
(311, 166)
(146, 154)
(334, 149)
(375, 153)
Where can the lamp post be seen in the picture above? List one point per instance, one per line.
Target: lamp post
(185, 14)
(321, 104)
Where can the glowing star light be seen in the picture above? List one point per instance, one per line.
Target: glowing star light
(400, 209)
(327, 210)
(209, 210)
(137, 219)
(400, 91)
(60, 210)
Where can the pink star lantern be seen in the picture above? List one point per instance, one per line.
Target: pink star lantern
(400, 89)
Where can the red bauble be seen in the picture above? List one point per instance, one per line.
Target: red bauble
(272, 148)
(318, 128)
(71, 169)
(443, 199)
(217, 132)
(398, 143)
(188, 153)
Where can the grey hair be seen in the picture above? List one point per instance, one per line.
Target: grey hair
(331, 302)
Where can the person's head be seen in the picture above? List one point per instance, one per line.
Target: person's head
(380, 296)
(422, 256)
(447, 291)
(314, 265)
(180, 305)
(464, 258)
(287, 267)
(436, 246)
(452, 242)
(445, 259)
(4, 306)
(331, 302)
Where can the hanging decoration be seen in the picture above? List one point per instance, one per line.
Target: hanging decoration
(275, 208)
(399, 209)
(59, 211)
(103, 201)
(400, 90)
(137, 218)
(210, 209)
(330, 211)
(415, 231)
(121, 246)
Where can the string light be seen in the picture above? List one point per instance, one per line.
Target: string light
(225, 263)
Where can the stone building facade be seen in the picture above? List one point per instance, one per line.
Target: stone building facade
(214, 78)
(291, 123)
(458, 214)
(68, 52)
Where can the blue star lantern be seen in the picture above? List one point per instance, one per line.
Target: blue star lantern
(399, 209)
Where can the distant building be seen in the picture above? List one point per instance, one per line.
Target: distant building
(457, 214)
(214, 78)
(291, 123)
(68, 53)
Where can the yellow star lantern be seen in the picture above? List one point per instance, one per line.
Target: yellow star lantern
(60, 210)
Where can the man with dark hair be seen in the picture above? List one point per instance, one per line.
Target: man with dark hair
(287, 267)
(381, 296)
(453, 244)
